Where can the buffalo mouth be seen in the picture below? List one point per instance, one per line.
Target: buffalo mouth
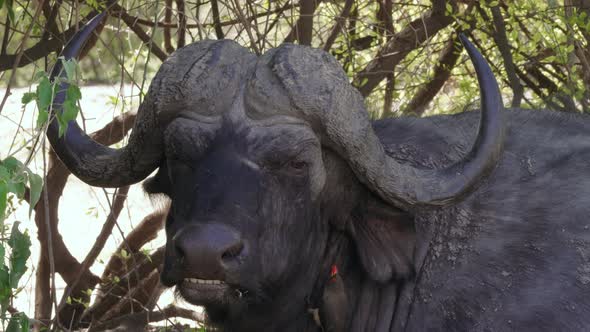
(206, 292)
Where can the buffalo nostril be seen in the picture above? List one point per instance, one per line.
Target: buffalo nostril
(233, 251)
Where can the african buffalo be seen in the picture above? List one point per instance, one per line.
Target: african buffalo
(276, 175)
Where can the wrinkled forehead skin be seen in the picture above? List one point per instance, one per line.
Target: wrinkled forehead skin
(207, 78)
(208, 85)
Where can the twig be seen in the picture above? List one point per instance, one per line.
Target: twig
(20, 54)
(168, 19)
(503, 45)
(247, 26)
(119, 199)
(446, 62)
(303, 28)
(340, 20)
(401, 44)
(141, 34)
(181, 40)
(152, 316)
(6, 34)
(216, 20)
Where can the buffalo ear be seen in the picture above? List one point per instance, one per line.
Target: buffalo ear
(385, 239)
(159, 183)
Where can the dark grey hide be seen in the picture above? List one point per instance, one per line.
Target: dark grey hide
(515, 255)
(275, 174)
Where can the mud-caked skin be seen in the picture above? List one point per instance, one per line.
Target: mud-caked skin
(275, 173)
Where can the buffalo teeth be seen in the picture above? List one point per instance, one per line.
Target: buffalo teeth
(203, 281)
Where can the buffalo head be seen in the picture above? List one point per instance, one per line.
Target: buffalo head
(271, 164)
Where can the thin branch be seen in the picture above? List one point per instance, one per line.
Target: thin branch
(181, 24)
(20, 54)
(247, 26)
(446, 62)
(340, 20)
(132, 24)
(107, 228)
(388, 98)
(6, 34)
(39, 50)
(65, 264)
(162, 24)
(138, 319)
(168, 19)
(302, 31)
(136, 299)
(146, 231)
(128, 278)
(503, 45)
(216, 20)
(395, 50)
(51, 25)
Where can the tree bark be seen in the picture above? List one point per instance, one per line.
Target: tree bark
(446, 62)
(396, 49)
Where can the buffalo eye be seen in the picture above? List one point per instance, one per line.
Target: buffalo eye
(297, 166)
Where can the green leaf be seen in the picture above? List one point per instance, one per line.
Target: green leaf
(4, 173)
(35, 187)
(449, 9)
(1, 3)
(24, 322)
(18, 323)
(12, 164)
(17, 188)
(146, 253)
(3, 200)
(20, 244)
(42, 118)
(44, 94)
(73, 93)
(124, 254)
(5, 291)
(28, 97)
(40, 74)
(69, 67)
(10, 11)
(70, 111)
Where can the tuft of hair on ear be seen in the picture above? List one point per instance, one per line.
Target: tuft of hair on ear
(159, 183)
(385, 240)
(157, 188)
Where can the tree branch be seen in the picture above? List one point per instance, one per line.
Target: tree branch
(143, 233)
(65, 314)
(42, 49)
(65, 264)
(395, 50)
(216, 20)
(340, 20)
(137, 321)
(302, 31)
(446, 62)
(181, 40)
(129, 276)
(144, 294)
(168, 20)
(132, 24)
(503, 45)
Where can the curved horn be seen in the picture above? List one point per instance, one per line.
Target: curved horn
(90, 161)
(322, 95)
